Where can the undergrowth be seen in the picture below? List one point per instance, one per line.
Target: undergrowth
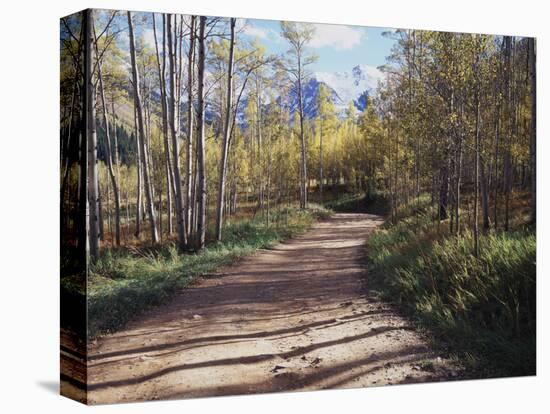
(482, 309)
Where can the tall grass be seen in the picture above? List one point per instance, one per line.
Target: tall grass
(124, 283)
(482, 308)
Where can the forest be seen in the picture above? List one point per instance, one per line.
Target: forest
(186, 145)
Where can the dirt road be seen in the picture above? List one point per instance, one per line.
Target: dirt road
(297, 316)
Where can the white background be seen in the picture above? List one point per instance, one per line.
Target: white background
(29, 218)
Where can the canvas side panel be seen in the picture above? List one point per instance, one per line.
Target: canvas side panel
(73, 191)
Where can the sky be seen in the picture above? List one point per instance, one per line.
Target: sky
(339, 47)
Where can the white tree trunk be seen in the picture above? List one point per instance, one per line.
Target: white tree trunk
(226, 135)
(201, 225)
(164, 108)
(112, 176)
(91, 140)
(141, 134)
(533, 131)
(182, 236)
(189, 205)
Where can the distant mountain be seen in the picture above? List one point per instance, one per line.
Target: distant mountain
(355, 85)
(311, 92)
(352, 85)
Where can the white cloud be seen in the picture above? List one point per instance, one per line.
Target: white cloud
(149, 38)
(123, 40)
(255, 31)
(249, 29)
(336, 36)
(274, 36)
